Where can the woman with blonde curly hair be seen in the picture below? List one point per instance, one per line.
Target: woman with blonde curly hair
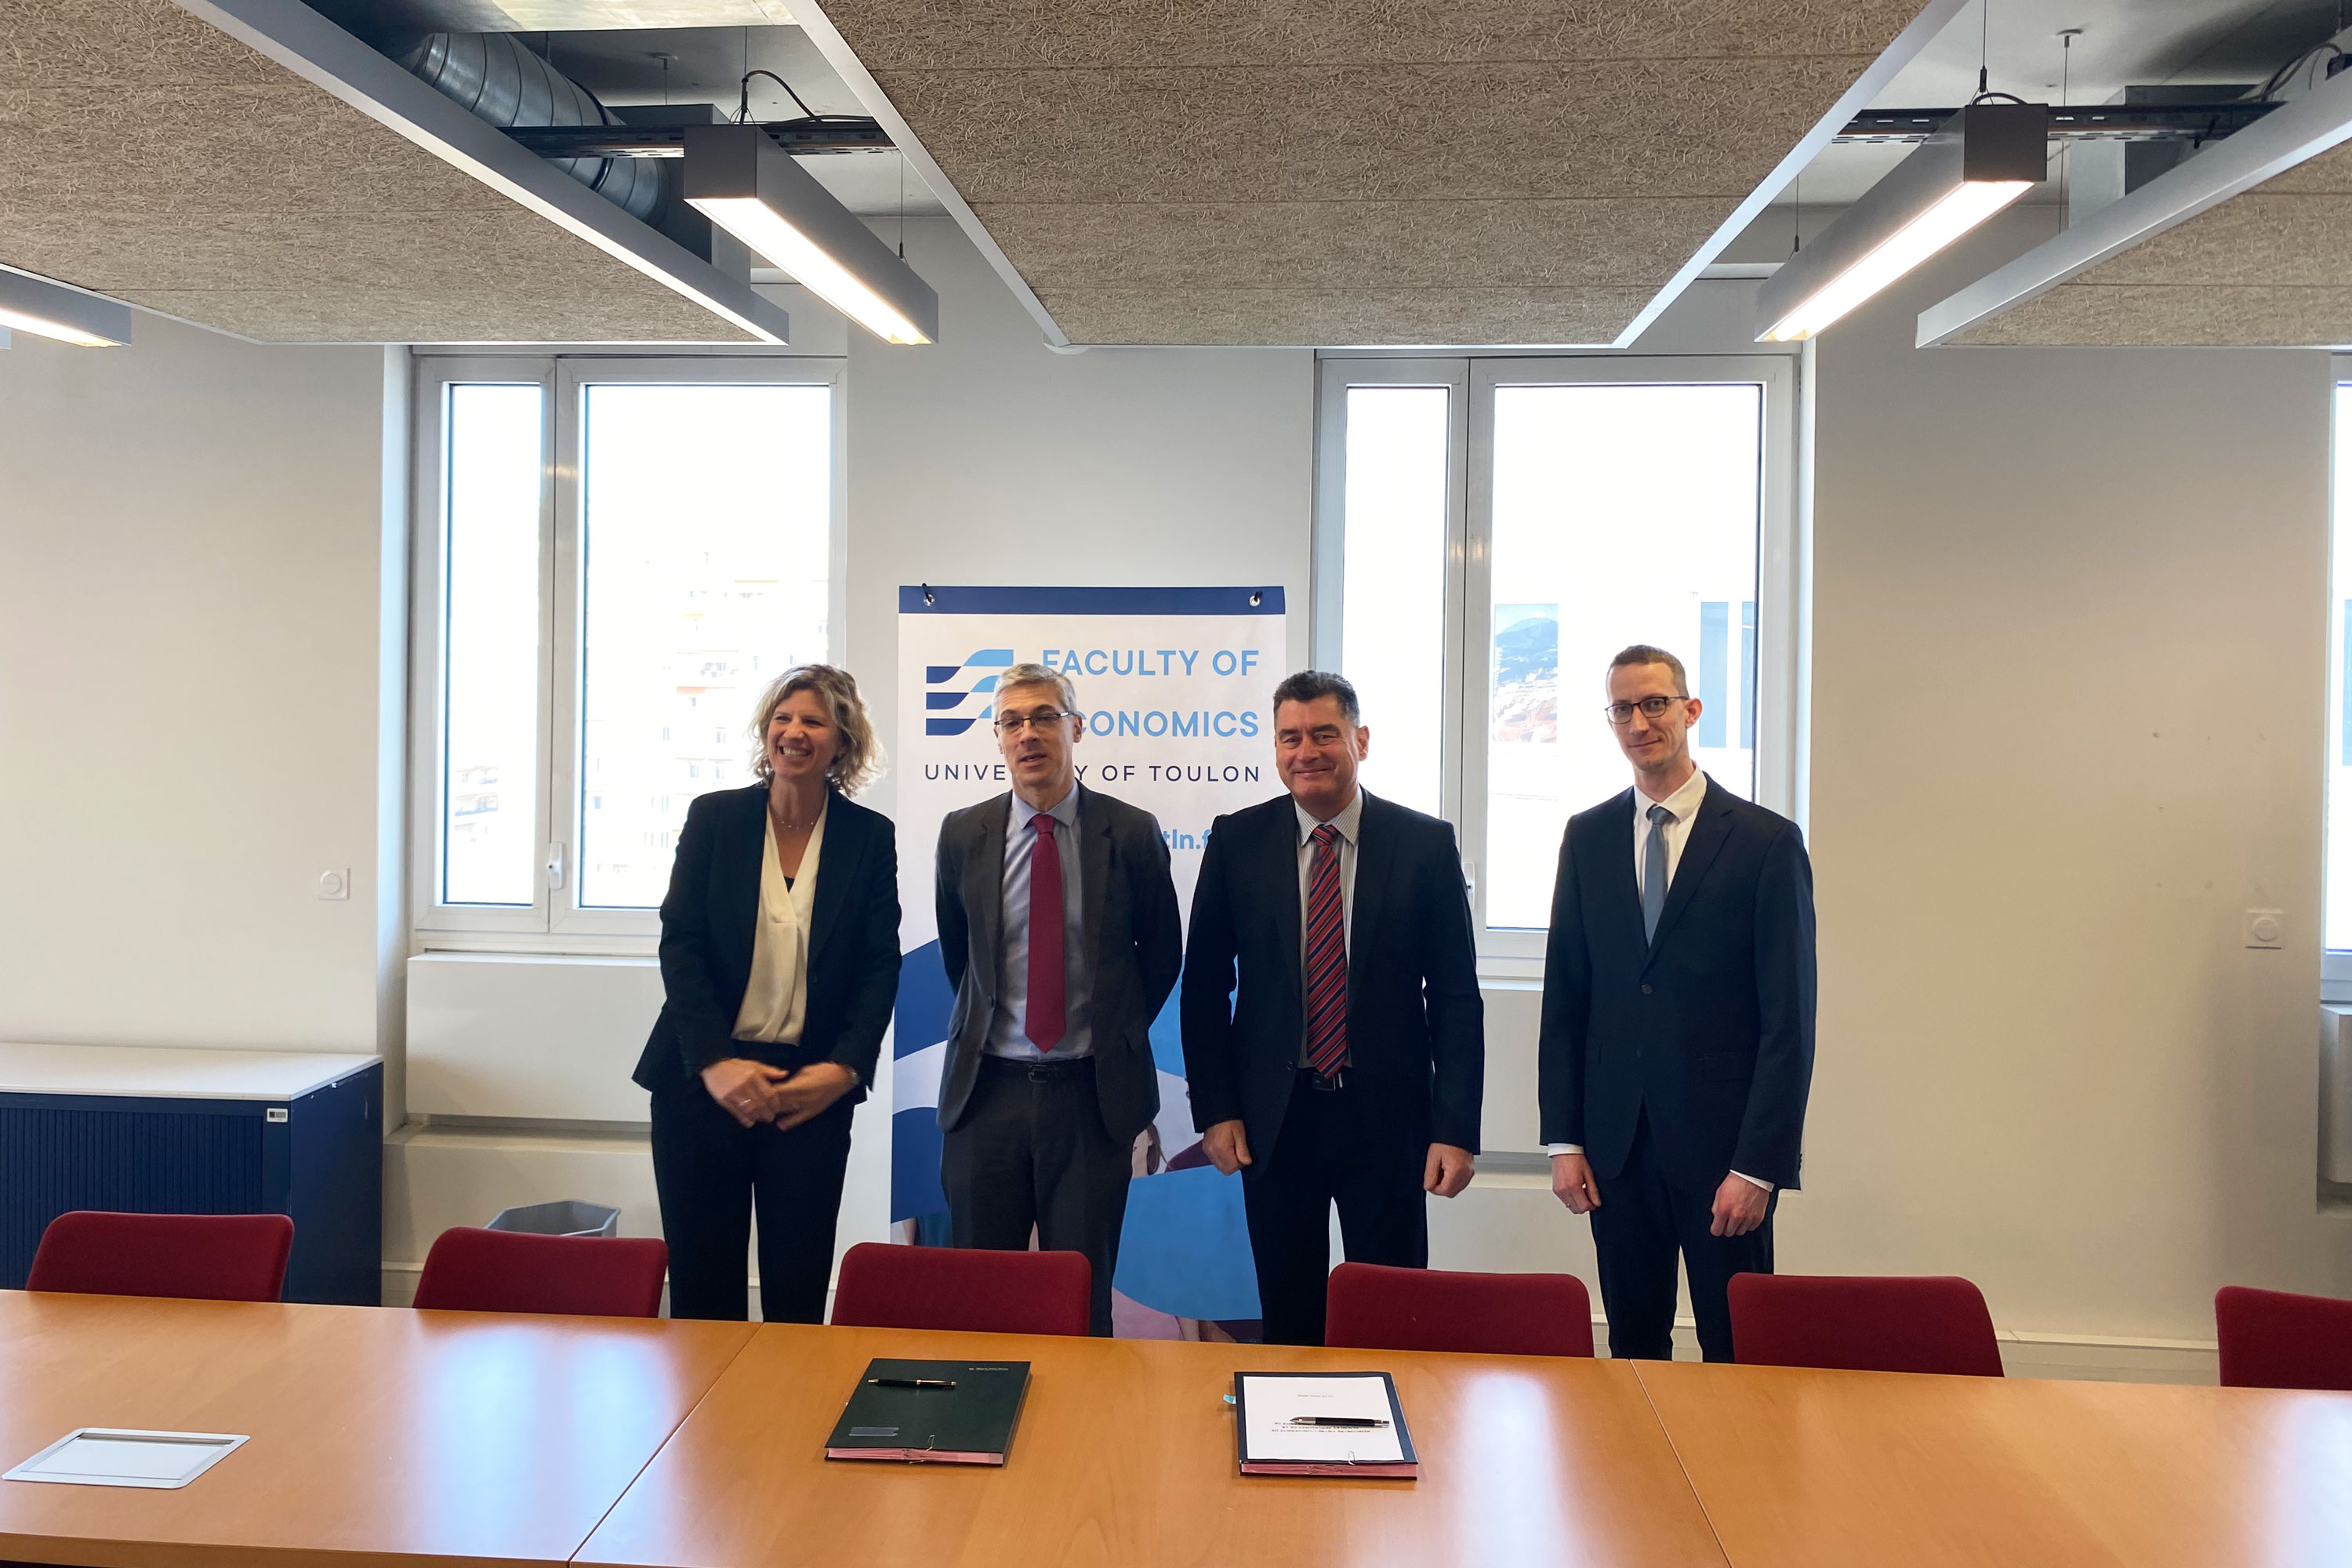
(779, 966)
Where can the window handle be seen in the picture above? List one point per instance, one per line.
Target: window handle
(555, 866)
(1470, 882)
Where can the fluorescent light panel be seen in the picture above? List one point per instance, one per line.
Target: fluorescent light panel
(1976, 164)
(36, 305)
(741, 180)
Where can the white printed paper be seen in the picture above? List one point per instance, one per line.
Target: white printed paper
(1272, 1406)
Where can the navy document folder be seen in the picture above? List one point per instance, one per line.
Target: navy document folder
(1322, 1424)
(936, 1412)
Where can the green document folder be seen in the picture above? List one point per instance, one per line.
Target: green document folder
(968, 1424)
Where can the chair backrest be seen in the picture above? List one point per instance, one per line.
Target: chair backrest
(197, 1256)
(1370, 1306)
(885, 1286)
(471, 1271)
(1860, 1323)
(2274, 1339)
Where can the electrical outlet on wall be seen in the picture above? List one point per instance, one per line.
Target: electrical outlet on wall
(2265, 928)
(335, 885)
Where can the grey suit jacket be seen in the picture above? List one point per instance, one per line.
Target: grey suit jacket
(1131, 910)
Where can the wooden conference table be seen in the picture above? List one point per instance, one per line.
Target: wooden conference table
(383, 1438)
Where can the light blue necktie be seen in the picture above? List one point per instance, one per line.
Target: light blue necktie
(1653, 872)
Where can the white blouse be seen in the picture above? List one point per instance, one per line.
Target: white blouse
(775, 1002)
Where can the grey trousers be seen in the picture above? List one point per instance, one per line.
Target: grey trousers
(1032, 1151)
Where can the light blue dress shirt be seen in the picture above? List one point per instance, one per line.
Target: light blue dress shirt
(1007, 1031)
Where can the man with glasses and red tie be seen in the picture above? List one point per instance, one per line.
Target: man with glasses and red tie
(1059, 930)
(1334, 1037)
(1677, 1044)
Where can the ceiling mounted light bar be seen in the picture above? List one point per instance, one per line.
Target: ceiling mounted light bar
(36, 305)
(741, 180)
(1980, 161)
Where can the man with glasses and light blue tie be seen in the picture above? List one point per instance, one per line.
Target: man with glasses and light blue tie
(1059, 930)
(1677, 1043)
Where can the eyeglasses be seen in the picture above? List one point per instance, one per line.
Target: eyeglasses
(1043, 720)
(1621, 713)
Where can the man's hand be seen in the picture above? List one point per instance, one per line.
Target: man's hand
(745, 1089)
(1448, 1170)
(1573, 1183)
(1739, 1207)
(809, 1092)
(1227, 1146)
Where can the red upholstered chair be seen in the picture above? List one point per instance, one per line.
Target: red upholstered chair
(471, 1271)
(198, 1257)
(1372, 1307)
(884, 1285)
(1928, 1323)
(2273, 1338)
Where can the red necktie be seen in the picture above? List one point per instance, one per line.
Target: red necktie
(1326, 959)
(1046, 1020)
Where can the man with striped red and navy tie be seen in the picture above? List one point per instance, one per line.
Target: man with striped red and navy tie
(1334, 1039)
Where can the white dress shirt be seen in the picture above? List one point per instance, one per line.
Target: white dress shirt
(1683, 803)
(1351, 817)
(775, 1002)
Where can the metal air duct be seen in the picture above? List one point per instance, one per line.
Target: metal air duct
(498, 81)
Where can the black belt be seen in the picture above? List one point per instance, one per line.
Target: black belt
(1041, 1072)
(1317, 1081)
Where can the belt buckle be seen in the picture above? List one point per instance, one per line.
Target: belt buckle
(1040, 1071)
(1326, 1085)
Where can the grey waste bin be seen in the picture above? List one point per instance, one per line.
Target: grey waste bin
(567, 1217)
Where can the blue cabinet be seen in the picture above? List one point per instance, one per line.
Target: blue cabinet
(195, 1132)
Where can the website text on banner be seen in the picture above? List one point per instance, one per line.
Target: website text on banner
(1175, 684)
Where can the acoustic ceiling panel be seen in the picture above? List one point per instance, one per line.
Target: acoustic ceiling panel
(2270, 267)
(155, 159)
(1414, 171)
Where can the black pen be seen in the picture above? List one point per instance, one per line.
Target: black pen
(910, 1383)
(1350, 1421)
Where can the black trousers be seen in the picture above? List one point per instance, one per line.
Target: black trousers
(1032, 1150)
(1326, 1154)
(1642, 1222)
(708, 1171)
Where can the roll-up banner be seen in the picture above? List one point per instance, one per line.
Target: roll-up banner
(1176, 684)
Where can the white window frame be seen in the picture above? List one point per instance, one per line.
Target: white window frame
(554, 921)
(1781, 562)
(2335, 963)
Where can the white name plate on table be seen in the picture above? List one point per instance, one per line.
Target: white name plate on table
(113, 1456)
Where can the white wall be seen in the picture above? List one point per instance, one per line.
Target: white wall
(190, 533)
(2069, 676)
(2069, 650)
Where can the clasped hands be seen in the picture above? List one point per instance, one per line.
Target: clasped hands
(1740, 1204)
(753, 1092)
(1446, 1171)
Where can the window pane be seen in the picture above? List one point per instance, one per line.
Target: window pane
(1392, 620)
(2337, 909)
(706, 515)
(489, 788)
(1623, 514)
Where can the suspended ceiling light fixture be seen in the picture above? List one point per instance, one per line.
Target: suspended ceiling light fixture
(1976, 162)
(36, 305)
(741, 180)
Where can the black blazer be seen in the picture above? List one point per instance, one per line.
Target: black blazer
(713, 908)
(1416, 1026)
(1130, 907)
(1711, 1026)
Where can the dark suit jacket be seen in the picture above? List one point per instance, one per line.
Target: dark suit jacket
(1131, 907)
(1710, 1025)
(713, 908)
(1416, 1026)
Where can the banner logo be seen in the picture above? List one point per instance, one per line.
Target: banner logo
(937, 701)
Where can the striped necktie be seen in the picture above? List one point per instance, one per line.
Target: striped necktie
(1326, 959)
